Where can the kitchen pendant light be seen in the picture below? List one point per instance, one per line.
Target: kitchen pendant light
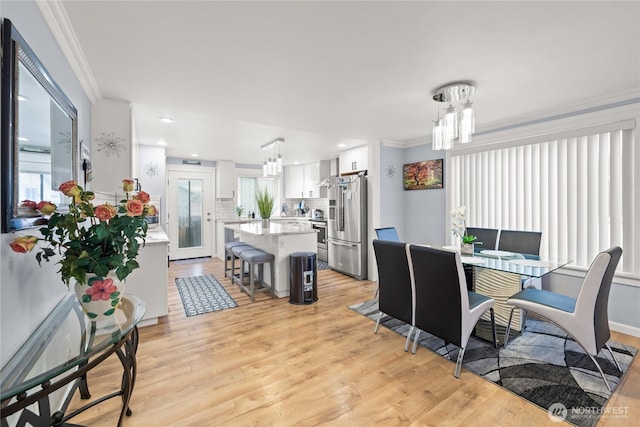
(273, 164)
(454, 126)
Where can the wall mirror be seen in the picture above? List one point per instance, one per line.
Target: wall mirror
(39, 134)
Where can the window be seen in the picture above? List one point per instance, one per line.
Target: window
(36, 186)
(580, 189)
(249, 186)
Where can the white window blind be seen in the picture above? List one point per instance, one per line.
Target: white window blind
(249, 186)
(582, 191)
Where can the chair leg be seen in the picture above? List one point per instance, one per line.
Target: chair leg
(613, 357)
(375, 329)
(273, 279)
(506, 333)
(459, 363)
(415, 341)
(376, 294)
(493, 328)
(593, 359)
(406, 343)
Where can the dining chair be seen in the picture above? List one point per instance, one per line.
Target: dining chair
(486, 237)
(585, 317)
(395, 291)
(519, 241)
(443, 305)
(387, 233)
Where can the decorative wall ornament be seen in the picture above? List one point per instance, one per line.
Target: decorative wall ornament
(111, 144)
(391, 171)
(152, 169)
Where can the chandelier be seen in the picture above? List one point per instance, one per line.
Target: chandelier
(272, 164)
(454, 126)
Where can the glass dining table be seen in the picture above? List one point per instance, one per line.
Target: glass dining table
(499, 275)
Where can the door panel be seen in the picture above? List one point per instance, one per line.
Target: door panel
(190, 214)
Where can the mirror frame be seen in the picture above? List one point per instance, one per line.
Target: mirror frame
(15, 50)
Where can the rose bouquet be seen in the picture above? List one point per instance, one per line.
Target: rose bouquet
(91, 240)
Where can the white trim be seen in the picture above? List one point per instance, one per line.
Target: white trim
(618, 279)
(59, 23)
(393, 144)
(624, 329)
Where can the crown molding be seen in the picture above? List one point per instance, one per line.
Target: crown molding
(56, 16)
(394, 144)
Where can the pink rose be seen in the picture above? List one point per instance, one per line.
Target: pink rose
(134, 207)
(127, 185)
(46, 207)
(105, 212)
(23, 244)
(70, 188)
(143, 197)
(101, 290)
(28, 204)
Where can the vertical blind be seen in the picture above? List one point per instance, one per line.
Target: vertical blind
(249, 186)
(582, 191)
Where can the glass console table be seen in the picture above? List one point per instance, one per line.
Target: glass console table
(57, 357)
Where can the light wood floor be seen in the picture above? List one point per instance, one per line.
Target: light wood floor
(271, 363)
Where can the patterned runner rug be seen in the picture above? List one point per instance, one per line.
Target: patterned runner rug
(542, 365)
(203, 294)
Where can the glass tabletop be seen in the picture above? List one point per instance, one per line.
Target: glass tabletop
(510, 262)
(65, 339)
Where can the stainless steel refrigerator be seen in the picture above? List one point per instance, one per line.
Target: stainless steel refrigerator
(347, 226)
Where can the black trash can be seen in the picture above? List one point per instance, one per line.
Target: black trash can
(303, 281)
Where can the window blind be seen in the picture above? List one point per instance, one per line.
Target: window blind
(580, 189)
(249, 186)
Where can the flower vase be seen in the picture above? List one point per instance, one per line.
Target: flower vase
(266, 222)
(100, 296)
(466, 248)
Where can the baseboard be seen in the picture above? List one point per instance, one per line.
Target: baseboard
(625, 329)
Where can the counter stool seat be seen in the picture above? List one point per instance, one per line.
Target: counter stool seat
(228, 255)
(235, 253)
(257, 257)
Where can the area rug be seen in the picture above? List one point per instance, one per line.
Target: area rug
(203, 294)
(542, 365)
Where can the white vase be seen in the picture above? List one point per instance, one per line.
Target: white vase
(100, 296)
(266, 222)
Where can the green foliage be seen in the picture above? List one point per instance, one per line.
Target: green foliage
(87, 244)
(265, 202)
(468, 239)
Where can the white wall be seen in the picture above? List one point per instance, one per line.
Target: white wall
(27, 292)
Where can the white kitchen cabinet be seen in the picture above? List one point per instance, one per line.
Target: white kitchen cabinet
(149, 282)
(293, 181)
(353, 160)
(311, 178)
(225, 179)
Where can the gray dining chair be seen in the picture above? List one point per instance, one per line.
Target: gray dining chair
(520, 241)
(443, 305)
(585, 317)
(486, 237)
(387, 233)
(395, 290)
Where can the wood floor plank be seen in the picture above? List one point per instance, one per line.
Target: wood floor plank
(271, 363)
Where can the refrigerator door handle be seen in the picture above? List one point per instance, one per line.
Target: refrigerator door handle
(342, 244)
(340, 209)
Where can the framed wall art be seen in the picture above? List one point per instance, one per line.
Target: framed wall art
(424, 175)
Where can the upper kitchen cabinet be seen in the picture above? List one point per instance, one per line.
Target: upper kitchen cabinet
(225, 179)
(293, 181)
(301, 181)
(354, 160)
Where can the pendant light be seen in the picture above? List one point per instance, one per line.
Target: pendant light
(455, 126)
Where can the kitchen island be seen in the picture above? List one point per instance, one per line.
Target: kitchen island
(281, 240)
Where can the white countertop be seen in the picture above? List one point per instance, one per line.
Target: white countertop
(156, 235)
(275, 229)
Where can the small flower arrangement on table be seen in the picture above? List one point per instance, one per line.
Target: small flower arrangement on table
(459, 229)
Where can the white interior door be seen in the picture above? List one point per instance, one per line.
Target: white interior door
(190, 210)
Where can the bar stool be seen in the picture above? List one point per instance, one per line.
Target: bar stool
(235, 253)
(228, 255)
(257, 257)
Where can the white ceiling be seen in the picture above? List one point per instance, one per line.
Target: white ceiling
(235, 75)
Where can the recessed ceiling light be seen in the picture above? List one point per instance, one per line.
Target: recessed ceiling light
(162, 142)
(23, 98)
(195, 155)
(296, 162)
(166, 119)
(341, 145)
